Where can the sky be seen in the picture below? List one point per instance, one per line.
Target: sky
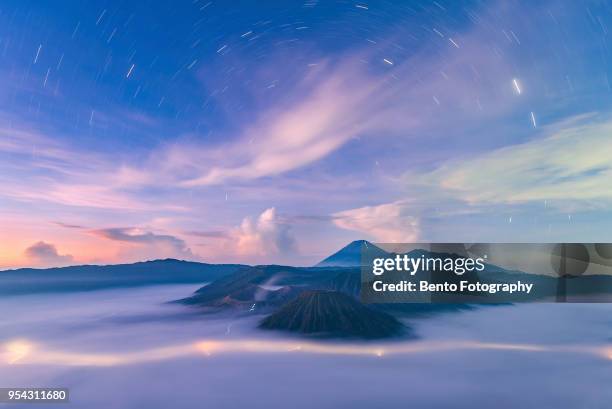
(279, 131)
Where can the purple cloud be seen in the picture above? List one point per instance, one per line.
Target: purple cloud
(46, 254)
(147, 244)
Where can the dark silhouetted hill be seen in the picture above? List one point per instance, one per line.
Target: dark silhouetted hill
(95, 277)
(248, 286)
(332, 314)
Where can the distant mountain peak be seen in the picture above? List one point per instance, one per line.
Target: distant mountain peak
(349, 255)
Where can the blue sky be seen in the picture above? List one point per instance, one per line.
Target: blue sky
(278, 132)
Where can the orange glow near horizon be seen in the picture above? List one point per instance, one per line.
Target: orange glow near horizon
(83, 250)
(25, 352)
(83, 247)
(17, 350)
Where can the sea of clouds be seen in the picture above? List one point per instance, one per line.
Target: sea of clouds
(532, 355)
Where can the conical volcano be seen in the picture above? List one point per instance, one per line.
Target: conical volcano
(332, 314)
(350, 255)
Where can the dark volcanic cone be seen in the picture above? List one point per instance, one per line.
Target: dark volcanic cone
(332, 314)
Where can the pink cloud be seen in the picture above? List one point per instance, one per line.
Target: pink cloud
(265, 236)
(386, 223)
(255, 240)
(47, 255)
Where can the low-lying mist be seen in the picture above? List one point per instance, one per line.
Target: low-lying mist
(129, 348)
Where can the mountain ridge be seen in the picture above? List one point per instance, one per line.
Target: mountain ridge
(94, 277)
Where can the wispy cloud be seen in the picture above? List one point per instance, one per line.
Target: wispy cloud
(433, 102)
(566, 168)
(77, 195)
(566, 164)
(146, 243)
(331, 109)
(215, 234)
(37, 168)
(357, 95)
(69, 225)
